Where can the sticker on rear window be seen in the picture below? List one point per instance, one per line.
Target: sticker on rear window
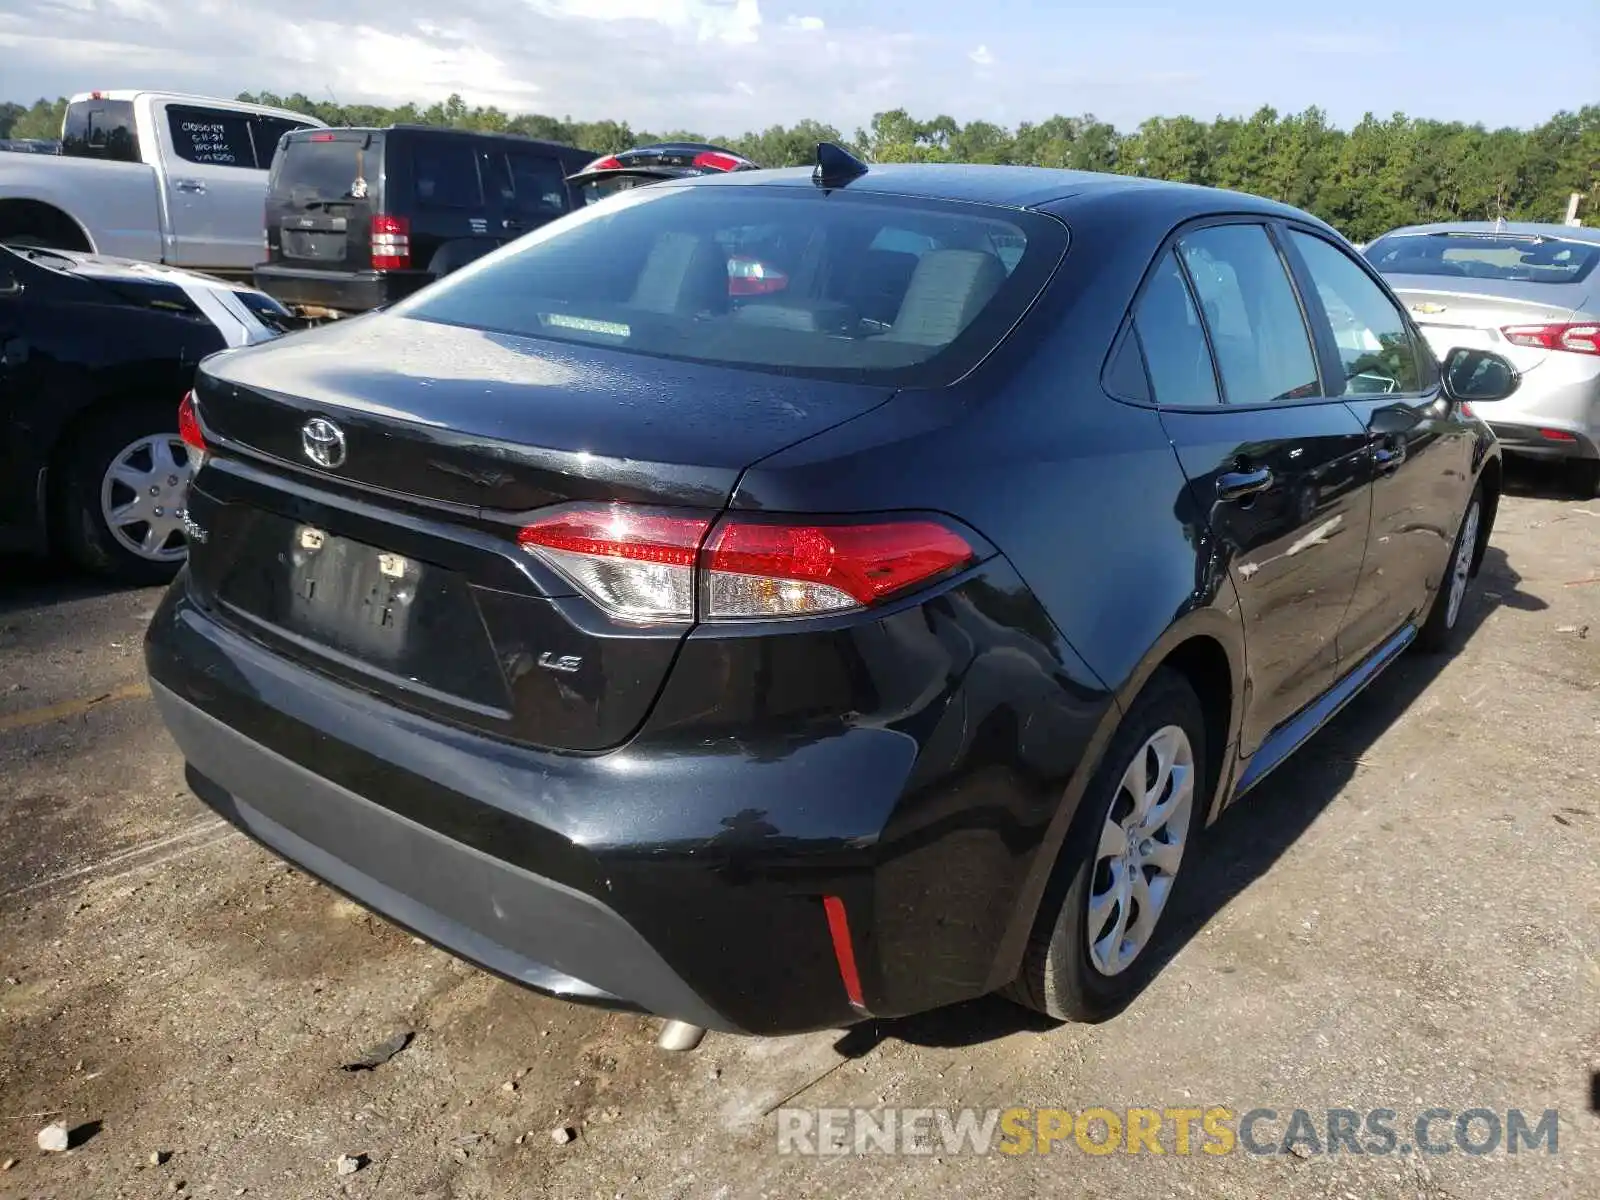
(358, 189)
(587, 325)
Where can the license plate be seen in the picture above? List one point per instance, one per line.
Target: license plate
(350, 595)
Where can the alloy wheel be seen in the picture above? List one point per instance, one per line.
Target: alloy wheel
(1141, 847)
(1461, 568)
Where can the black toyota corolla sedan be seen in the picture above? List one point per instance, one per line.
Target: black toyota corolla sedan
(884, 636)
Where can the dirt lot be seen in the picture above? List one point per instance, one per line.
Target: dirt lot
(1407, 916)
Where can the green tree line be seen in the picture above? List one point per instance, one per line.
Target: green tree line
(1381, 173)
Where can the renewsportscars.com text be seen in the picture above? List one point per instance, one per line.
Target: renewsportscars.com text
(1184, 1131)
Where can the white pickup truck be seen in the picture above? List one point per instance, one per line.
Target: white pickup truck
(155, 176)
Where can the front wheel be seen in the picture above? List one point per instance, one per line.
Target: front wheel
(1091, 952)
(1438, 632)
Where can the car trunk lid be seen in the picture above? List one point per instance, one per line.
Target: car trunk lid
(398, 568)
(1451, 315)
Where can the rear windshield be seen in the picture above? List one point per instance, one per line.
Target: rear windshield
(1513, 259)
(100, 129)
(841, 285)
(313, 169)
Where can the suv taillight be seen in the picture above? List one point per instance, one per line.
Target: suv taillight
(643, 565)
(391, 243)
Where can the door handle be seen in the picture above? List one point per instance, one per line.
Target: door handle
(1387, 456)
(1239, 485)
(195, 187)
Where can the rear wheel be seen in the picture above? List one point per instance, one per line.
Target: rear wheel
(126, 487)
(1438, 633)
(1092, 949)
(1583, 475)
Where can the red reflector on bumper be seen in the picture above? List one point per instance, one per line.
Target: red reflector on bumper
(843, 950)
(1557, 435)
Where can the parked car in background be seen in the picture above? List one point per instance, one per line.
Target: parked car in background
(358, 218)
(773, 661)
(95, 354)
(154, 176)
(30, 145)
(1530, 292)
(642, 165)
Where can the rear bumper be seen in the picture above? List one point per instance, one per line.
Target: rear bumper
(1535, 441)
(342, 291)
(518, 924)
(680, 875)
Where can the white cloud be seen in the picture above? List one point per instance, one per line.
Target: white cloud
(808, 24)
(733, 21)
(982, 56)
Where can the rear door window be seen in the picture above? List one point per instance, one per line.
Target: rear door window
(1258, 333)
(211, 136)
(795, 281)
(1174, 345)
(444, 173)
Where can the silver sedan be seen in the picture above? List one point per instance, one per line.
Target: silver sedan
(1528, 292)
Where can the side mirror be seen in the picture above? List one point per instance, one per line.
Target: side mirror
(1478, 375)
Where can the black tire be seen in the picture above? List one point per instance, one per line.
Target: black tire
(1058, 977)
(78, 519)
(1583, 476)
(1439, 632)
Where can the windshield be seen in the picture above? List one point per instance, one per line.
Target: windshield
(1505, 257)
(798, 281)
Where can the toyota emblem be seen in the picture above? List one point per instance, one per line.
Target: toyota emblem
(323, 442)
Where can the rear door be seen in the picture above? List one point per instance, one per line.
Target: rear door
(436, 179)
(320, 200)
(1277, 467)
(215, 186)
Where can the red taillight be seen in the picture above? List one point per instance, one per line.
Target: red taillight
(751, 277)
(771, 570)
(715, 160)
(391, 243)
(189, 428)
(321, 137)
(635, 564)
(643, 565)
(1557, 435)
(1579, 339)
(844, 951)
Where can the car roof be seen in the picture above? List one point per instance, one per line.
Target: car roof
(1571, 233)
(1014, 187)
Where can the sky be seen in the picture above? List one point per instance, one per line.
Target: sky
(727, 66)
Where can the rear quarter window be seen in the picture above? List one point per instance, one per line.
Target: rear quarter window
(839, 286)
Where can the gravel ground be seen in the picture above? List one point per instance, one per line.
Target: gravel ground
(1407, 916)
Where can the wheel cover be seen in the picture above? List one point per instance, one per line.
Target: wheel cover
(1461, 567)
(1141, 846)
(143, 497)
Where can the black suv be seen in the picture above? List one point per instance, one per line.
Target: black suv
(358, 218)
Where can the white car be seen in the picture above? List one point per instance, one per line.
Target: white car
(153, 176)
